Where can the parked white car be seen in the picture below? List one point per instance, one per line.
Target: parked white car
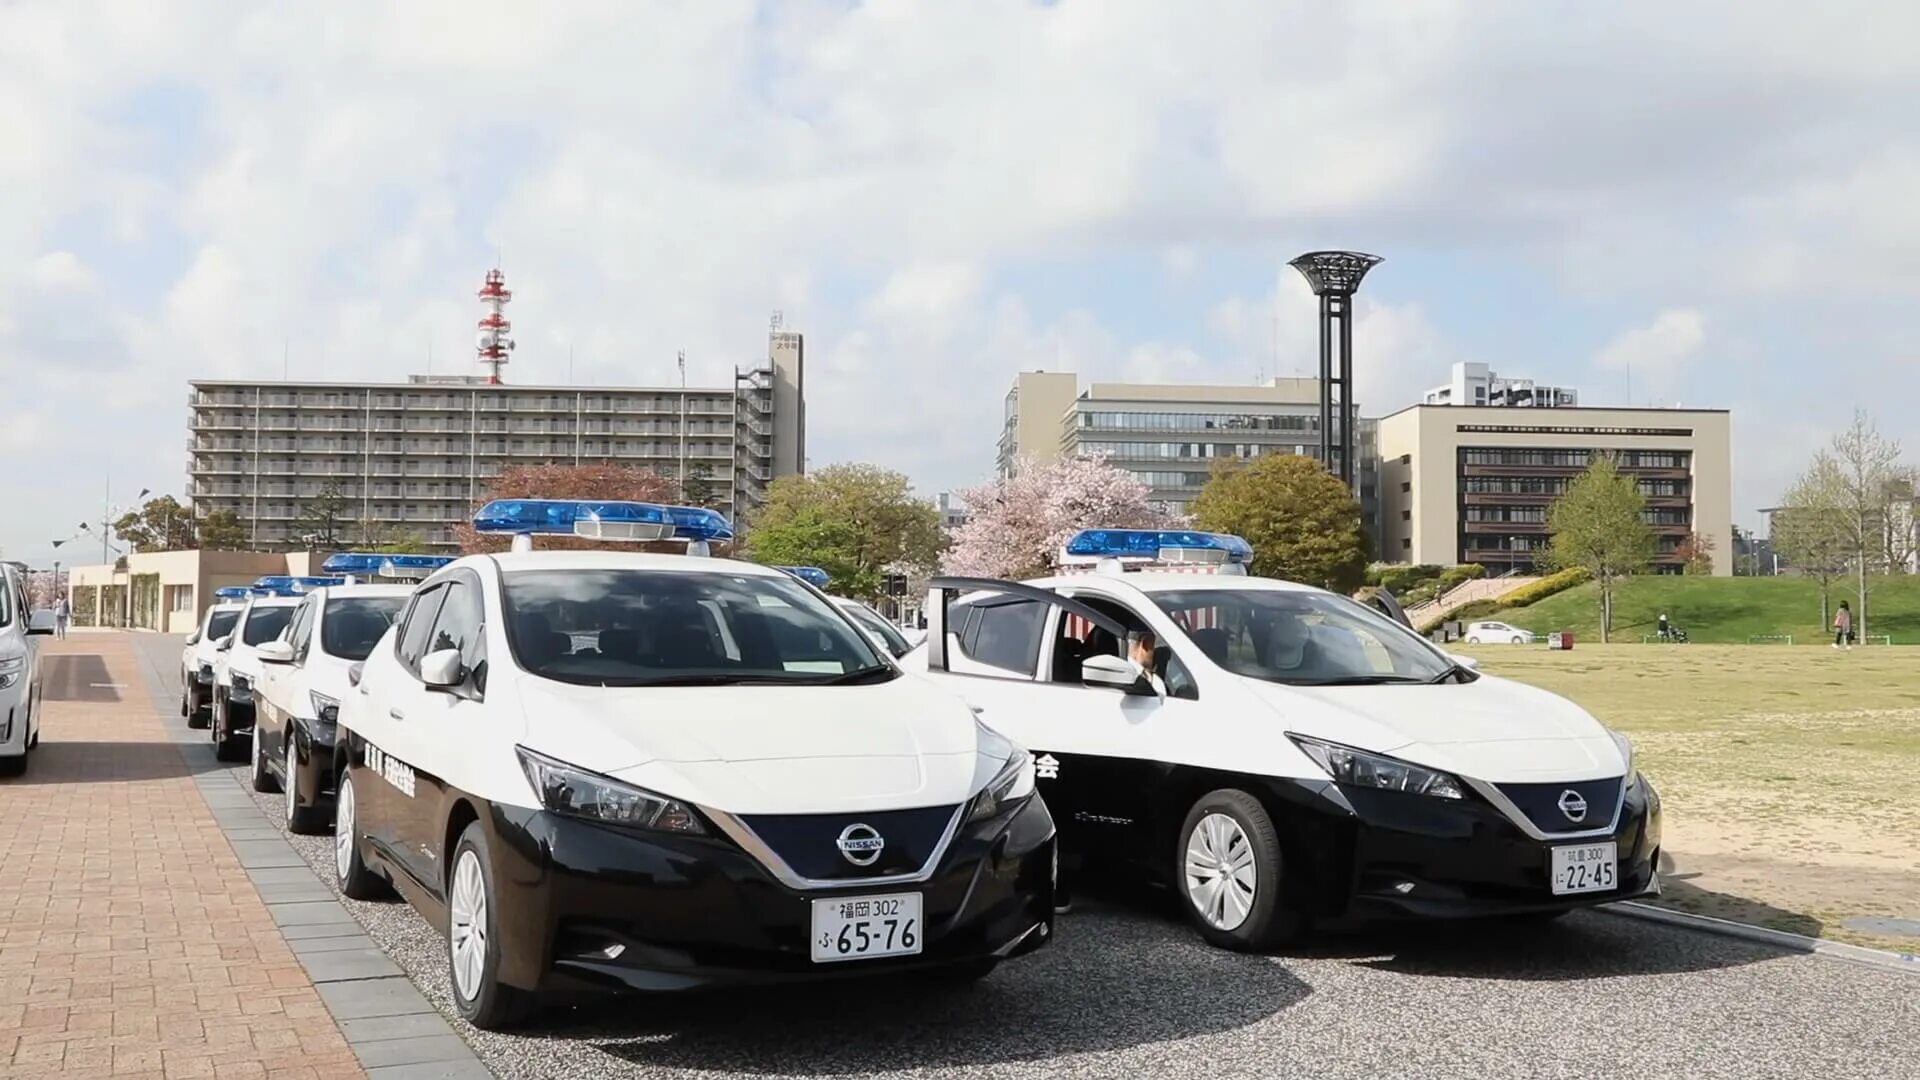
(19, 672)
(197, 657)
(236, 671)
(1498, 633)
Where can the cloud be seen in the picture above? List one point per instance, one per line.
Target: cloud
(1655, 356)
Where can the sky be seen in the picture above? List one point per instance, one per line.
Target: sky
(1709, 204)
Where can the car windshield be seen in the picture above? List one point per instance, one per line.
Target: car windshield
(654, 627)
(1301, 638)
(265, 624)
(6, 601)
(871, 620)
(354, 625)
(221, 624)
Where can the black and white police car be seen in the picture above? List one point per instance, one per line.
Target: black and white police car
(303, 678)
(237, 668)
(1292, 755)
(610, 770)
(202, 648)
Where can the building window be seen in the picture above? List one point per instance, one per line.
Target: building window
(1406, 486)
(1406, 543)
(1406, 515)
(1406, 459)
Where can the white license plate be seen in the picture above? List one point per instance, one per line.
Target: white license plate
(1585, 868)
(863, 927)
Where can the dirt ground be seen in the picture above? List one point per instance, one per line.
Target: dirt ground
(1788, 772)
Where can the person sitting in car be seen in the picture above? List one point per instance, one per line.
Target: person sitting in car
(1140, 650)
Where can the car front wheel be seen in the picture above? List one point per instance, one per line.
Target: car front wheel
(356, 879)
(473, 940)
(1230, 870)
(1518, 640)
(261, 776)
(1473, 639)
(305, 820)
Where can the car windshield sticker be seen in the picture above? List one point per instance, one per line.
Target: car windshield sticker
(1046, 767)
(392, 769)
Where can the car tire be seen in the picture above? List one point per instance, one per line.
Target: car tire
(1228, 838)
(303, 820)
(473, 941)
(186, 699)
(1518, 640)
(1473, 640)
(262, 777)
(225, 746)
(357, 880)
(198, 715)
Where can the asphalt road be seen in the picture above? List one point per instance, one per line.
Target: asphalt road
(1127, 991)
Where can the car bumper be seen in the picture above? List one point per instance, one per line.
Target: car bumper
(13, 720)
(588, 907)
(1387, 854)
(311, 769)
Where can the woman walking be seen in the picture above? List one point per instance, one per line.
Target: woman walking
(1843, 627)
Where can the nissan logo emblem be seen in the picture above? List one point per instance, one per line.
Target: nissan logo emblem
(1571, 804)
(861, 844)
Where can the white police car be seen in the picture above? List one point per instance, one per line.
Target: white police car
(236, 671)
(202, 648)
(20, 690)
(303, 679)
(1293, 754)
(607, 771)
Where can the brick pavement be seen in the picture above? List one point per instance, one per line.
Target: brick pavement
(131, 942)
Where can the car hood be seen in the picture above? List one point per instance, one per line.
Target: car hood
(771, 749)
(1489, 729)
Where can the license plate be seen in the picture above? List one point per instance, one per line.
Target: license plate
(863, 927)
(1586, 868)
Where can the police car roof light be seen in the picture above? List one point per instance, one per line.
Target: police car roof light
(699, 523)
(233, 592)
(812, 575)
(385, 565)
(287, 585)
(1162, 545)
(573, 517)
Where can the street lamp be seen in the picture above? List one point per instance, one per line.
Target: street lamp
(1335, 277)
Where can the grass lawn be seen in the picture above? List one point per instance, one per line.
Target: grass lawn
(1725, 610)
(1787, 774)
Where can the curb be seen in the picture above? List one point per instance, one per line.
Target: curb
(1907, 963)
(391, 1027)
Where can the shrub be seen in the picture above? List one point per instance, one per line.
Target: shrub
(1399, 578)
(1546, 586)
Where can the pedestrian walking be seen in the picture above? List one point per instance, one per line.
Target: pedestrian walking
(1843, 627)
(61, 614)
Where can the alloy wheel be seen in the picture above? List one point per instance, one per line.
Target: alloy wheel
(293, 791)
(343, 829)
(1221, 873)
(467, 925)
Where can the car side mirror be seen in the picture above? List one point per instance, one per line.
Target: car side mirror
(1115, 673)
(224, 643)
(354, 672)
(1467, 662)
(41, 622)
(275, 652)
(193, 638)
(442, 670)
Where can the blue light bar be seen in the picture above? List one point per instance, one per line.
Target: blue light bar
(374, 563)
(285, 585)
(699, 523)
(1148, 544)
(558, 517)
(233, 592)
(812, 575)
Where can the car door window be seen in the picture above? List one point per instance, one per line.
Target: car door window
(417, 632)
(459, 627)
(1080, 639)
(297, 631)
(1005, 634)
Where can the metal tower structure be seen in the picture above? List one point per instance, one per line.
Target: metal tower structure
(1335, 276)
(493, 342)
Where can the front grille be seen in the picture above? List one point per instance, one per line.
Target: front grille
(1541, 804)
(810, 843)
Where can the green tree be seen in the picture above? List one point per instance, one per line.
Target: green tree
(857, 522)
(1855, 476)
(221, 530)
(161, 524)
(324, 521)
(1303, 523)
(1597, 526)
(698, 489)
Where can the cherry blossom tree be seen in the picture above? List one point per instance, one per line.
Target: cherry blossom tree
(1019, 524)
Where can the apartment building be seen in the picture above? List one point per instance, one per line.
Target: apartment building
(413, 458)
(1472, 484)
(1170, 435)
(1476, 384)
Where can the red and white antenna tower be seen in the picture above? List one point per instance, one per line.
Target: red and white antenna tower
(492, 341)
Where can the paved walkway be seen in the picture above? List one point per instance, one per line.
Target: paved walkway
(131, 941)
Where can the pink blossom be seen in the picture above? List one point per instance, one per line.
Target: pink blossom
(1018, 525)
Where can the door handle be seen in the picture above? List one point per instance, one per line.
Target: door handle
(396, 714)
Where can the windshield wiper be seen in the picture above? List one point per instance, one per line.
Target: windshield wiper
(878, 673)
(1454, 673)
(1360, 680)
(704, 680)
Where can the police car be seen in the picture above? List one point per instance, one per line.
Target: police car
(202, 648)
(631, 771)
(20, 689)
(303, 680)
(237, 667)
(1286, 754)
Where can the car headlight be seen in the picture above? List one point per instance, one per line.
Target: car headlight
(1010, 785)
(1358, 768)
(325, 709)
(205, 674)
(1626, 751)
(241, 686)
(567, 789)
(10, 669)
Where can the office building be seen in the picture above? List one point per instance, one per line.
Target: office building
(1169, 436)
(1466, 484)
(1476, 384)
(412, 459)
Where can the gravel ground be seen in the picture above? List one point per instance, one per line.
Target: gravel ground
(1127, 991)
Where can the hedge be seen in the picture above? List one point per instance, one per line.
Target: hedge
(1545, 587)
(1399, 577)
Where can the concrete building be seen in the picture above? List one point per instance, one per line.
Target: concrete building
(168, 591)
(1169, 435)
(1476, 384)
(952, 513)
(414, 457)
(1465, 484)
